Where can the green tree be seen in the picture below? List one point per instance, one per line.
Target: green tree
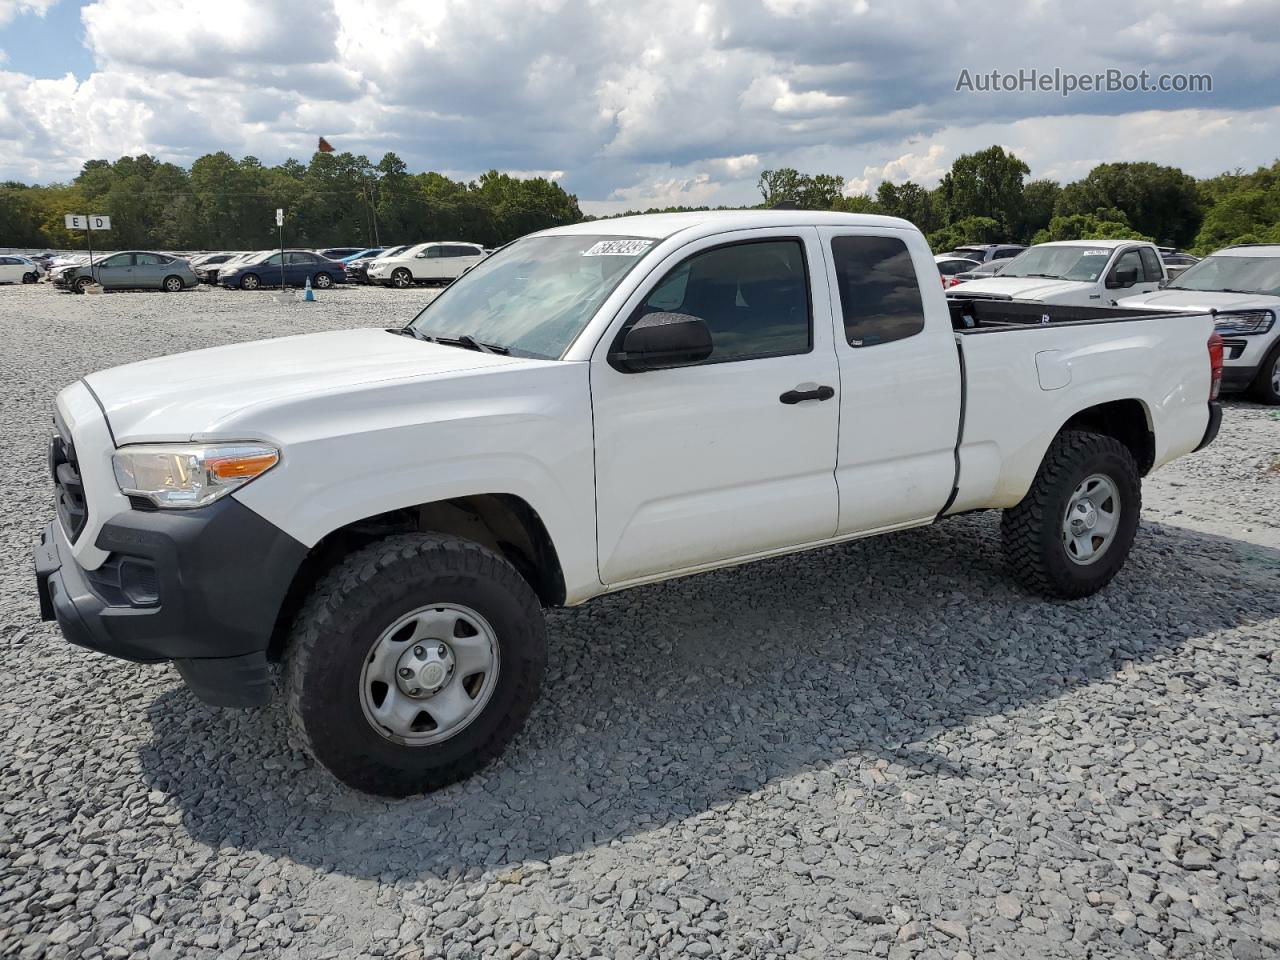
(1158, 201)
(1087, 226)
(820, 191)
(910, 201)
(966, 230)
(1038, 200)
(986, 184)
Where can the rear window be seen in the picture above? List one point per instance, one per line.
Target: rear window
(879, 290)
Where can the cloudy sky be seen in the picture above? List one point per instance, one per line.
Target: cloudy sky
(630, 103)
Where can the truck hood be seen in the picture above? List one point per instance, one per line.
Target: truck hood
(203, 394)
(1200, 301)
(1019, 288)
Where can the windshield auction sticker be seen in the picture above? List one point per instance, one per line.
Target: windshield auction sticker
(617, 248)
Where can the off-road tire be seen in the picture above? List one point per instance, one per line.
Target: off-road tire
(1032, 531)
(1264, 388)
(346, 613)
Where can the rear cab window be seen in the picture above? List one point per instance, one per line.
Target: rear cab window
(878, 288)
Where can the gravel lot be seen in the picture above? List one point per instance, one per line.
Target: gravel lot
(881, 749)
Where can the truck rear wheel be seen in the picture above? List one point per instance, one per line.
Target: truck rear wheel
(1073, 530)
(414, 663)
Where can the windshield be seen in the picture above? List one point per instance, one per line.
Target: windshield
(1059, 262)
(966, 253)
(534, 296)
(1232, 274)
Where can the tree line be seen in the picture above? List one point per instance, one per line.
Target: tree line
(222, 203)
(342, 198)
(986, 197)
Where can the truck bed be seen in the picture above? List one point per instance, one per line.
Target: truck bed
(1077, 358)
(987, 315)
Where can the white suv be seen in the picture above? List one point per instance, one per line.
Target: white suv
(1241, 283)
(433, 262)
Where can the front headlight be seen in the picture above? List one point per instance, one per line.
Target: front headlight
(1244, 323)
(184, 475)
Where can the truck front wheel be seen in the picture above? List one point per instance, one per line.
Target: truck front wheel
(1071, 533)
(414, 663)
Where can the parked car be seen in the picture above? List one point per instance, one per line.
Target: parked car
(15, 269)
(208, 266)
(434, 262)
(594, 407)
(129, 270)
(950, 266)
(367, 254)
(981, 271)
(982, 252)
(338, 253)
(1175, 261)
(1242, 283)
(358, 269)
(295, 267)
(1084, 272)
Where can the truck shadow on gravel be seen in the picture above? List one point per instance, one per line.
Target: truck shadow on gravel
(664, 702)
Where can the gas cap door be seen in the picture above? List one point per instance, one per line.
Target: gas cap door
(1053, 369)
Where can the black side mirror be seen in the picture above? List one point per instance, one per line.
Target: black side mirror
(660, 341)
(1123, 278)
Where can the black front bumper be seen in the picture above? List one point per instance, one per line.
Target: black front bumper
(202, 588)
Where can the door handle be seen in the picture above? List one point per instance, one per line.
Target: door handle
(809, 393)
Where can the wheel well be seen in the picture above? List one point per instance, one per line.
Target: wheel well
(502, 522)
(1126, 421)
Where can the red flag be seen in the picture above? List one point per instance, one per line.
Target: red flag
(324, 147)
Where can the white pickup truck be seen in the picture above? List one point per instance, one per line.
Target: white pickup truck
(1074, 272)
(591, 408)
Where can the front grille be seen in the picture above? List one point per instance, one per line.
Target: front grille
(73, 511)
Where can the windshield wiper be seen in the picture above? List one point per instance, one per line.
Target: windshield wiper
(465, 341)
(408, 332)
(1043, 276)
(471, 343)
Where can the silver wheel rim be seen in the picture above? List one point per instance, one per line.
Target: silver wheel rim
(429, 674)
(1275, 376)
(401, 279)
(173, 285)
(250, 283)
(322, 281)
(1092, 518)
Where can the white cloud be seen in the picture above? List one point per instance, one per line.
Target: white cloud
(551, 175)
(925, 167)
(649, 103)
(9, 9)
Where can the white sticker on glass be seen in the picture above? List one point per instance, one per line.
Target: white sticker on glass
(617, 248)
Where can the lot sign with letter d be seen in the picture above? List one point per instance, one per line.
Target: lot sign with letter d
(78, 221)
